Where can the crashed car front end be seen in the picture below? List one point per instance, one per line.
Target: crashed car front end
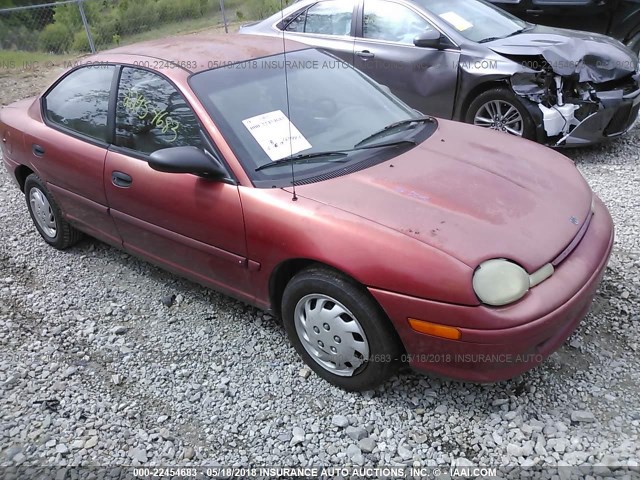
(573, 112)
(579, 88)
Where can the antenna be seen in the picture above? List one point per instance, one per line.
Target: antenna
(286, 85)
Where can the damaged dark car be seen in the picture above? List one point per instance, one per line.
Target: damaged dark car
(471, 61)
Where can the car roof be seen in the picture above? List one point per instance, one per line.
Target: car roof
(202, 51)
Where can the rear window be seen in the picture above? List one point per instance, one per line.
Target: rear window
(80, 102)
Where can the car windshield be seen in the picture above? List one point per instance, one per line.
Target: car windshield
(331, 107)
(475, 20)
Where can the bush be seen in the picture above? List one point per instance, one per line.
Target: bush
(259, 9)
(81, 42)
(55, 38)
(138, 16)
(106, 30)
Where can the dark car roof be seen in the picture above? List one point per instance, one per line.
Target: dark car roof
(200, 51)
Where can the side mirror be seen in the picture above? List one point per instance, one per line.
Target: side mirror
(429, 39)
(186, 160)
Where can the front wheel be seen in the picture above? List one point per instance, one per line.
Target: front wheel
(499, 109)
(339, 330)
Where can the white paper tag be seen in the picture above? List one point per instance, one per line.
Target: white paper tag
(457, 21)
(271, 131)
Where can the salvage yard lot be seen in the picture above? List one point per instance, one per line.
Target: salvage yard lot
(96, 370)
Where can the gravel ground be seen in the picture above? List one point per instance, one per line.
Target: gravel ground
(96, 370)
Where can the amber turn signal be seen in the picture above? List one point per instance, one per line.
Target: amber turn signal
(435, 329)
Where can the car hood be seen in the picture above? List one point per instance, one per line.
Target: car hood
(471, 193)
(590, 57)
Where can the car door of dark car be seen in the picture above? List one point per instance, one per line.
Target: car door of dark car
(590, 15)
(425, 78)
(70, 147)
(186, 223)
(516, 7)
(327, 24)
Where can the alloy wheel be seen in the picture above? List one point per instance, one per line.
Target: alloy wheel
(500, 115)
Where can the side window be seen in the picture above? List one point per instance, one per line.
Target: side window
(151, 114)
(297, 24)
(80, 102)
(392, 22)
(332, 17)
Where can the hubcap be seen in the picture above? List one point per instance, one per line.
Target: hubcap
(42, 212)
(500, 115)
(331, 334)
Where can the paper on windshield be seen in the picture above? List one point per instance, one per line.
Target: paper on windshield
(456, 21)
(271, 131)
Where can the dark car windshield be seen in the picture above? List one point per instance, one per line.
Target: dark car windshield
(331, 107)
(475, 20)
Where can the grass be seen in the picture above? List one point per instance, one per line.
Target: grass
(12, 61)
(177, 28)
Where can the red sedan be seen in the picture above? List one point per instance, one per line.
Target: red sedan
(297, 184)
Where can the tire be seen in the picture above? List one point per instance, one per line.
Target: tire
(362, 327)
(506, 99)
(47, 216)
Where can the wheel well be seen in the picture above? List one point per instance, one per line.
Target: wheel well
(22, 173)
(280, 278)
(477, 90)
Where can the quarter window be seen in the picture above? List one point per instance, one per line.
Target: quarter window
(151, 114)
(332, 17)
(80, 102)
(392, 22)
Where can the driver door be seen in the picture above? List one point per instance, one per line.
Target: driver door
(183, 222)
(425, 78)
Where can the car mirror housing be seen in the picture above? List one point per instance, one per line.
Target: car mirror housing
(429, 39)
(186, 160)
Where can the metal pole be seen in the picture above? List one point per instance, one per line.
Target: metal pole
(86, 26)
(224, 16)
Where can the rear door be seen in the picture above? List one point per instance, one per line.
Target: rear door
(69, 149)
(328, 25)
(188, 224)
(425, 78)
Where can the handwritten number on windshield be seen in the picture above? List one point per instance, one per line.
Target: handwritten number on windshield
(136, 104)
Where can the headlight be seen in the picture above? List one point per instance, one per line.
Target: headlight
(500, 282)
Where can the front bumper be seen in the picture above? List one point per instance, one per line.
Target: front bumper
(536, 326)
(616, 117)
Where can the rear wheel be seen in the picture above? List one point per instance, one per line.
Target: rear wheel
(339, 330)
(500, 109)
(47, 216)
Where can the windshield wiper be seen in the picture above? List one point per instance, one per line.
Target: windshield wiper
(305, 158)
(386, 144)
(491, 39)
(386, 129)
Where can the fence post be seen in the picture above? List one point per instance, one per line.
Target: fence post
(224, 16)
(86, 26)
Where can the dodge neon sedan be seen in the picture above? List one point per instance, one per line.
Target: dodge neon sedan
(301, 186)
(470, 61)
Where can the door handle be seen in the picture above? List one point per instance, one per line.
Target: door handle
(121, 180)
(38, 151)
(535, 11)
(365, 54)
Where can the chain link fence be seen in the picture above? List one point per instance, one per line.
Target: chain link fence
(71, 27)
